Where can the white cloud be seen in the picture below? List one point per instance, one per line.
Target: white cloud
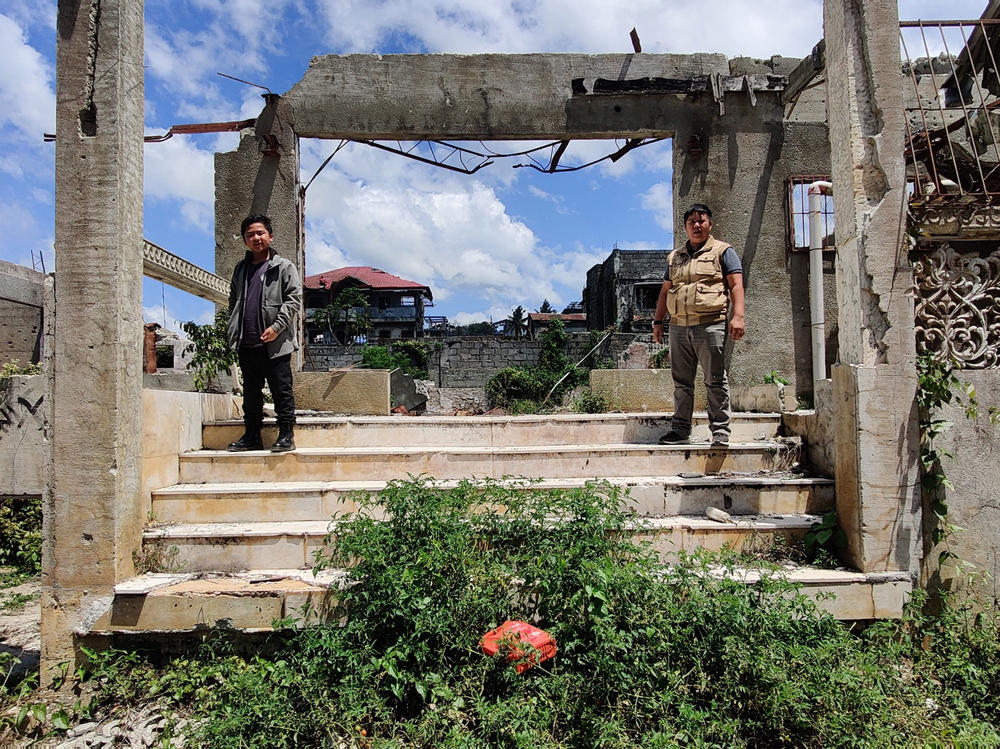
(789, 27)
(557, 200)
(36, 14)
(467, 318)
(27, 80)
(450, 232)
(174, 320)
(182, 175)
(659, 200)
(10, 165)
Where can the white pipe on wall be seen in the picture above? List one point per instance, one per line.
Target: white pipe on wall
(816, 313)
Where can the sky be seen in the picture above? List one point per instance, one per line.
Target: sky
(484, 243)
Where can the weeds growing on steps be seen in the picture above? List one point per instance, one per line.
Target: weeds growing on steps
(646, 657)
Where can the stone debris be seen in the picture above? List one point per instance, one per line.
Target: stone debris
(719, 516)
(142, 726)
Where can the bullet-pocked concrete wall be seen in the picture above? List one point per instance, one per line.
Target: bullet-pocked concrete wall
(20, 332)
(22, 292)
(738, 165)
(973, 502)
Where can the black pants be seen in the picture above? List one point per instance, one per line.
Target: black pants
(258, 367)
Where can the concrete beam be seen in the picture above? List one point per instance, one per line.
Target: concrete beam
(92, 520)
(165, 266)
(497, 97)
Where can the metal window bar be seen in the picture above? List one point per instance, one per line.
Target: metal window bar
(952, 147)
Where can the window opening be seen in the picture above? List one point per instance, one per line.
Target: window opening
(798, 213)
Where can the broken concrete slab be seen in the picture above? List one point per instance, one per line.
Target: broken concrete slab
(344, 391)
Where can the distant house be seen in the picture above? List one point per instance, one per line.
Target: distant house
(395, 306)
(538, 322)
(624, 289)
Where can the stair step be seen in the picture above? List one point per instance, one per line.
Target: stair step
(253, 600)
(576, 461)
(249, 601)
(486, 431)
(652, 495)
(227, 547)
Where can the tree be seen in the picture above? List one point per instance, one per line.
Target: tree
(546, 307)
(212, 354)
(517, 323)
(477, 328)
(346, 300)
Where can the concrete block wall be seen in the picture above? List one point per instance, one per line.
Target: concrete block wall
(468, 362)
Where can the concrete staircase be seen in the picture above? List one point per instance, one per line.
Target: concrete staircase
(243, 527)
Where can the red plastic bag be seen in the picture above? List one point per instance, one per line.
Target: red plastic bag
(506, 637)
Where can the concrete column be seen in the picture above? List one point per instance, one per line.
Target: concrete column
(877, 438)
(92, 517)
(261, 176)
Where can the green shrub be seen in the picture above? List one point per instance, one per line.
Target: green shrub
(647, 656)
(14, 368)
(416, 357)
(552, 357)
(774, 378)
(212, 354)
(21, 533)
(519, 384)
(592, 403)
(378, 357)
(410, 356)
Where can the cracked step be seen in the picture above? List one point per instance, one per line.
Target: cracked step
(648, 496)
(252, 601)
(487, 431)
(563, 461)
(229, 547)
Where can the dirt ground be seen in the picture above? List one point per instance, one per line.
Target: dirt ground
(20, 633)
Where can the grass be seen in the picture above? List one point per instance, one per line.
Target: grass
(646, 657)
(13, 602)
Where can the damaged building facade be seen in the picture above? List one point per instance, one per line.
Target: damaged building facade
(741, 130)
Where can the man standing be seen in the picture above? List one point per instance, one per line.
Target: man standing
(703, 284)
(264, 298)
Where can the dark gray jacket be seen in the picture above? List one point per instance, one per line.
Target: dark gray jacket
(280, 302)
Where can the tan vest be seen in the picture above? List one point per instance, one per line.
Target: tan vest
(698, 292)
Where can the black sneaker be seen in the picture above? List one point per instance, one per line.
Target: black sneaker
(720, 439)
(673, 438)
(247, 442)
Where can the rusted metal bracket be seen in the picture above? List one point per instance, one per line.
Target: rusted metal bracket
(206, 127)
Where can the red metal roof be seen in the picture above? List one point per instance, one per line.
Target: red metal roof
(366, 276)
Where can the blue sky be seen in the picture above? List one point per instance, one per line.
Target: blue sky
(483, 243)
